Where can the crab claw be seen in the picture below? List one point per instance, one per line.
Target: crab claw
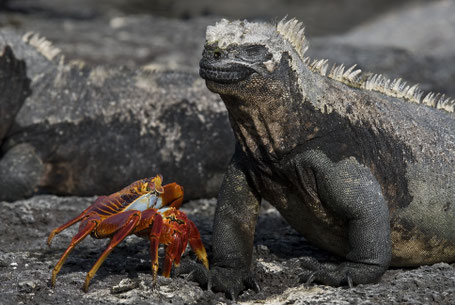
(173, 195)
(177, 233)
(158, 181)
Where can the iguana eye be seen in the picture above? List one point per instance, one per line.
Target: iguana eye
(217, 54)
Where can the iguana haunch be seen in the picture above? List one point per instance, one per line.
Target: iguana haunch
(362, 166)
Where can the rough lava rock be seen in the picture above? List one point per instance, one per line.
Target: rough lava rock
(26, 263)
(93, 130)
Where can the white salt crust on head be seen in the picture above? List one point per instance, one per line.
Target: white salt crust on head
(229, 33)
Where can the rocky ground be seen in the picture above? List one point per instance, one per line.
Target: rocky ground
(26, 263)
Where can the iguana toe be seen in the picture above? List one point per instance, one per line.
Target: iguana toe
(230, 281)
(345, 274)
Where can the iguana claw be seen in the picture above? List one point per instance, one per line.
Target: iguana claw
(350, 283)
(309, 280)
(232, 282)
(345, 274)
(219, 279)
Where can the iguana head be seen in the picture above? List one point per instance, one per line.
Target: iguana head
(239, 54)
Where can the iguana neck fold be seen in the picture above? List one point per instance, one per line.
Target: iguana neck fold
(271, 120)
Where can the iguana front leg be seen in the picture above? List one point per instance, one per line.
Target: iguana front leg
(233, 234)
(351, 192)
(233, 231)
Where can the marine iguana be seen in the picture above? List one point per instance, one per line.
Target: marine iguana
(362, 166)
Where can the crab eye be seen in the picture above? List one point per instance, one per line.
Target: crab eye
(150, 187)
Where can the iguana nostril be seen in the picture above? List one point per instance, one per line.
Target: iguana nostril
(217, 54)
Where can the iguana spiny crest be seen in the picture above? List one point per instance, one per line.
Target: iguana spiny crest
(42, 45)
(288, 36)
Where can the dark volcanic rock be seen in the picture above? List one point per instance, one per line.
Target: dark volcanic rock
(21, 171)
(125, 278)
(98, 129)
(14, 88)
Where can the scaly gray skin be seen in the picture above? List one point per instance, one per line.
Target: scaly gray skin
(91, 130)
(367, 176)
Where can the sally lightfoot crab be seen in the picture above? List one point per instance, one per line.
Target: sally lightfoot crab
(145, 208)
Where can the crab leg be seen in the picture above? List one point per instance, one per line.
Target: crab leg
(89, 226)
(173, 250)
(71, 222)
(181, 250)
(153, 220)
(155, 234)
(196, 244)
(120, 235)
(65, 226)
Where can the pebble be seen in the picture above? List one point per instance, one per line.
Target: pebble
(27, 286)
(124, 286)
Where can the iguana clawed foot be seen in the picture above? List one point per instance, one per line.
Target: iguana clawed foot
(344, 274)
(230, 281)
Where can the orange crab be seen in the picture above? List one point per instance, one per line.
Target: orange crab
(145, 208)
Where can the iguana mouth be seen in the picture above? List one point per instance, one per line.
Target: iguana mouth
(227, 74)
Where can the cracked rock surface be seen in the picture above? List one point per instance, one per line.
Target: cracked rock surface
(125, 278)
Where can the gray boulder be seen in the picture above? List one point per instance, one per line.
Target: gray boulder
(92, 130)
